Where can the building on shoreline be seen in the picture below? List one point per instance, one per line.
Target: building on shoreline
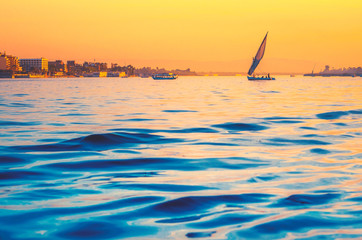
(13, 67)
(4, 63)
(96, 74)
(57, 68)
(10, 63)
(34, 64)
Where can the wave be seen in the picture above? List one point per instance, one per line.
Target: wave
(241, 126)
(183, 130)
(104, 230)
(337, 114)
(15, 123)
(199, 204)
(296, 224)
(100, 142)
(157, 164)
(178, 111)
(284, 142)
(332, 115)
(156, 187)
(304, 200)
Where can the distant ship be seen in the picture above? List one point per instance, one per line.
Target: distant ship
(164, 76)
(256, 60)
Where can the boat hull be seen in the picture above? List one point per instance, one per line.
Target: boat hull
(164, 78)
(259, 78)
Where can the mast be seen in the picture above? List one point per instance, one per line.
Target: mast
(259, 55)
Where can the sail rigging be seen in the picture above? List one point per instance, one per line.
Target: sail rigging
(259, 55)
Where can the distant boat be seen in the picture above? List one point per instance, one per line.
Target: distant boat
(164, 76)
(256, 60)
(310, 74)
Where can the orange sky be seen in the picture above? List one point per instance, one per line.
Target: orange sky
(204, 35)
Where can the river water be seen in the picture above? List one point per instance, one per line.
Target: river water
(193, 158)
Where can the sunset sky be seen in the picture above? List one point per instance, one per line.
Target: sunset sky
(204, 35)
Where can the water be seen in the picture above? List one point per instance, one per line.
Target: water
(195, 158)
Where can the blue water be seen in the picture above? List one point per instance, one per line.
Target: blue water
(194, 158)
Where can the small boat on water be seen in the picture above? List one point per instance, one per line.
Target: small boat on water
(164, 76)
(267, 77)
(256, 60)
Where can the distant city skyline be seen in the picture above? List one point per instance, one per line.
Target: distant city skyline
(202, 35)
(68, 68)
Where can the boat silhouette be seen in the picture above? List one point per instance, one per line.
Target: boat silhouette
(256, 60)
(164, 76)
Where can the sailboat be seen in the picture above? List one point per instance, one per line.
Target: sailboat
(310, 74)
(256, 60)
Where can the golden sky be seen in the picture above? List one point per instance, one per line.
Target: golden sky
(204, 35)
